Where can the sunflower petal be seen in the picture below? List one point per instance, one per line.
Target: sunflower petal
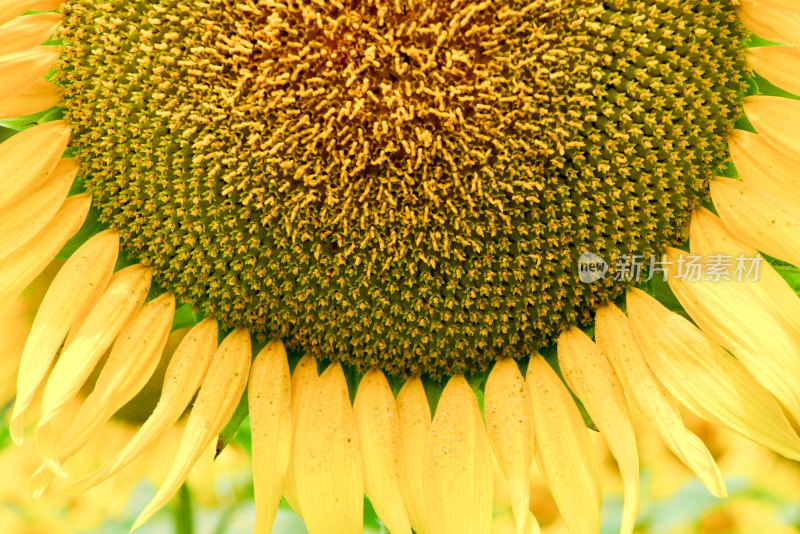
(758, 218)
(133, 360)
(415, 424)
(564, 450)
(10, 9)
(591, 377)
(22, 221)
(29, 157)
(39, 96)
(777, 64)
(124, 295)
(20, 70)
(761, 165)
(303, 380)
(509, 422)
(459, 481)
(777, 119)
(20, 269)
(616, 341)
(184, 374)
(769, 21)
(327, 460)
(77, 285)
(378, 426)
(705, 378)
(270, 402)
(222, 387)
(27, 32)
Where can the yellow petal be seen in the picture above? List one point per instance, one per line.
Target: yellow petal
(759, 218)
(765, 20)
(20, 70)
(133, 360)
(777, 119)
(20, 222)
(705, 378)
(777, 64)
(303, 379)
(564, 450)
(378, 426)
(616, 341)
(270, 402)
(458, 482)
(509, 422)
(26, 32)
(222, 387)
(415, 424)
(761, 165)
(327, 459)
(77, 285)
(184, 374)
(124, 295)
(591, 377)
(39, 96)
(14, 8)
(29, 157)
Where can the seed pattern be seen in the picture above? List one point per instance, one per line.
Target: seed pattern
(405, 185)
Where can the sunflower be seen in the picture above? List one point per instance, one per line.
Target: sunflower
(402, 236)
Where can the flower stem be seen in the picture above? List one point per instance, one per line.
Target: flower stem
(182, 511)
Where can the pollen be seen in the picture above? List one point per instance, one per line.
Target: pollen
(407, 185)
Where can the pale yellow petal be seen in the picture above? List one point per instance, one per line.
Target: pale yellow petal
(14, 8)
(458, 480)
(77, 285)
(378, 426)
(39, 96)
(415, 424)
(270, 401)
(303, 379)
(185, 372)
(327, 458)
(28, 158)
(591, 377)
(616, 341)
(761, 165)
(26, 32)
(777, 119)
(759, 218)
(705, 378)
(121, 299)
(20, 269)
(20, 222)
(20, 70)
(222, 387)
(133, 360)
(509, 422)
(564, 450)
(778, 64)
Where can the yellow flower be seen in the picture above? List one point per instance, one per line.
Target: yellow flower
(418, 199)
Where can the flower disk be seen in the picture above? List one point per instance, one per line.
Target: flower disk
(405, 185)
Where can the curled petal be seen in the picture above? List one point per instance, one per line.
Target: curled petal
(589, 374)
(616, 341)
(705, 378)
(77, 285)
(303, 380)
(222, 387)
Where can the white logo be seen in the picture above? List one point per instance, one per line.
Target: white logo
(591, 267)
